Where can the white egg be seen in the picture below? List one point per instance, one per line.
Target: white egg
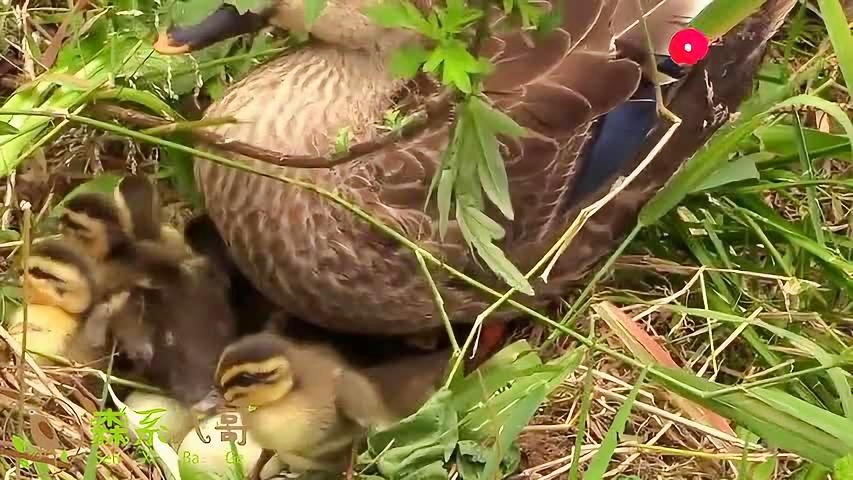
(216, 456)
(173, 424)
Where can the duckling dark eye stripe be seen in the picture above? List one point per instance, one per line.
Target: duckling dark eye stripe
(72, 223)
(249, 379)
(41, 274)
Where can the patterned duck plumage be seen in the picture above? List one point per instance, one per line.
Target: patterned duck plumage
(580, 91)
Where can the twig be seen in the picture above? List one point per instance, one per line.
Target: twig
(11, 452)
(25, 234)
(52, 51)
(433, 108)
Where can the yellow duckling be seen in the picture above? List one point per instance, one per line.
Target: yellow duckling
(308, 403)
(61, 285)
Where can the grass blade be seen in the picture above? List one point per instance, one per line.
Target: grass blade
(598, 464)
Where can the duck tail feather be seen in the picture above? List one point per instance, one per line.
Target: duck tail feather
(704, 100)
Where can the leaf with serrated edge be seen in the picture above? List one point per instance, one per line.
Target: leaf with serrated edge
(406, 61)
(497, 261)
(487, 224)
(498, 121)
(493, 172)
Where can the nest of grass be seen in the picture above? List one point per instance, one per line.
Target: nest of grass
(55, 410)
(659, 442)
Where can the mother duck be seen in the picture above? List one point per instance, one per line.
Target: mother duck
(580, 91)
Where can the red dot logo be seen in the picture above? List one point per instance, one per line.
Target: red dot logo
(688, 46)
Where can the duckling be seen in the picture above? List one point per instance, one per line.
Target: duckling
(61, 286)
(174, 324)
(139, 208)
(171, 301)
(308, 403)
(94, 225)
(254, 309)
(106, 228)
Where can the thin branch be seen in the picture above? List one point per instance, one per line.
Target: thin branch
(433, 108)
(13, 453)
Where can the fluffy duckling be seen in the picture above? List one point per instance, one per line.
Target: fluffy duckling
(139, 208)
(253, 308)
(175, 322)
(62, 290)
(107, 228)
(308, 403)
(190, 320)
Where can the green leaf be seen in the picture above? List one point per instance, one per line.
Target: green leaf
(598, 464)
(494, 257)
(400, 14)
(516, 360)
(774, 426)
(839, 34)
(6, 129)
(21, 444)
(517, 417)
(313, 9)
(496, 120)
(839, 427)
(495, 421)
(419, 445)
(735, 171)
(781, 139)
(832, 109)
(720, 16)
(406, 61)
(244, 6)
(492, 171)
(843, 468)
(445, 189)
(485, 223)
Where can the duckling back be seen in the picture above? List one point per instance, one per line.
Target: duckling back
(191, 322)
(50, 330)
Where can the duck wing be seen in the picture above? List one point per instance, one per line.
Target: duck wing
(553, 86)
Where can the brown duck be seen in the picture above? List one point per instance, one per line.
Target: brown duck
(581, 92)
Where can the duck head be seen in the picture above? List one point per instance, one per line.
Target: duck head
(58, 275)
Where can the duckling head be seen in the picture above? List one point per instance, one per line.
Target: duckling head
(94, 224)
(59, 275)
(138, 207)
(254, 371)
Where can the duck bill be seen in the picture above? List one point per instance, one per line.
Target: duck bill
(226, 22)
(212, 403)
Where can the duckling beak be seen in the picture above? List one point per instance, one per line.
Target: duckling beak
(226, 22)
(213, 402)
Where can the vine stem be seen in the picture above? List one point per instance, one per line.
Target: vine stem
(362, 214)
